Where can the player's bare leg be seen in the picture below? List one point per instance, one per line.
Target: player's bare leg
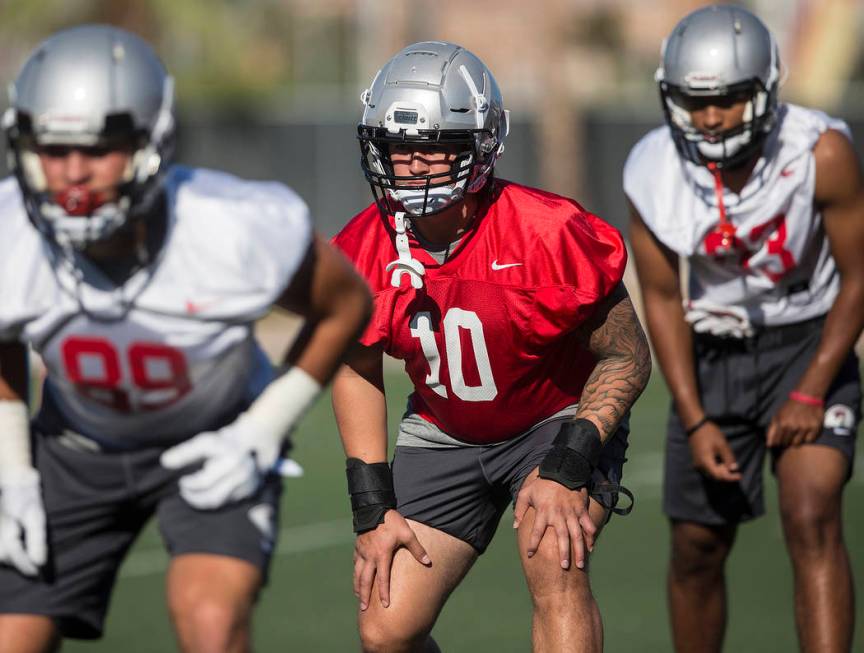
(697, 586)
(811, 481)
(417, 594)
(28, 633)
(566, 616)
(210, 598)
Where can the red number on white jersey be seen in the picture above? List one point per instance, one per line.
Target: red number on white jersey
(775, 246)
(158, 371)
(778, 261)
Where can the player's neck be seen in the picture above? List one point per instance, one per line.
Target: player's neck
(449, 225)
(736, 178)
(131, 248)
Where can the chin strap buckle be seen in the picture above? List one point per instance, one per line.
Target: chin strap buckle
(405, 264)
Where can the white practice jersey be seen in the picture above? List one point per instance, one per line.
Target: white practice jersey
(171, 351)
(779, 269)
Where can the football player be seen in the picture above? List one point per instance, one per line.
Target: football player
(139, 283)
(764, 201)
(506, 305)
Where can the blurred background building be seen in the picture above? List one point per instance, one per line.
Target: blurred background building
(270, 88)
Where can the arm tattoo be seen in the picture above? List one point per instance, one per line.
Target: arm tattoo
(617, 341)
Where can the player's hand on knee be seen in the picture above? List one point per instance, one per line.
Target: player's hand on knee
(563, 510)
(232, 467)
(712, 454)
(373, 556)
(795, 424)
(23, 538)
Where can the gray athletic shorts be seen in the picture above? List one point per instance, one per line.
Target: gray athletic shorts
(463, 491)
(97, 503)
(743, 383)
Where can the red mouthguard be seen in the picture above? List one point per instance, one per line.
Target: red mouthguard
(79, 200)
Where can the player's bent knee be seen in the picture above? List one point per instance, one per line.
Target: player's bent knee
(379, 634)
(698, 551)
(210, 625)
(553, 588)
(811, 529)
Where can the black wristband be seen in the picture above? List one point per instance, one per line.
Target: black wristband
(574, 455)
(371, 488)
(698, 425)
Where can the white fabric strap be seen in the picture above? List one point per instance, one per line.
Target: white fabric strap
(15, 457)
(282, 404)
(405, 264)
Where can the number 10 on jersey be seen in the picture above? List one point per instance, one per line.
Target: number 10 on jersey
(454, 320)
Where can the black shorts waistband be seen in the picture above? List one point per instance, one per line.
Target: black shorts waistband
(766, 337)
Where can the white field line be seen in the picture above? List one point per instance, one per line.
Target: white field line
(643, 474)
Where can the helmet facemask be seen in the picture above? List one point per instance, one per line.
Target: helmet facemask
(428, 194)
(731, 147)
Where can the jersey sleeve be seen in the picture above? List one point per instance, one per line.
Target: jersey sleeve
(652, 174)
(587, 258)
(279, 244)
(360, 241)
(241, 241)
(27, 286)
(638, 180)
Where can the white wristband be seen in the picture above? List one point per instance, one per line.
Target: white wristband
(15, 457)
(283, 403)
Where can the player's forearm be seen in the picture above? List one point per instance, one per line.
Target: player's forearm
(621, 372)
(673, 345)
(14, 372)
(842, 329)
(328, 337)
(15, 454)
(361, 414)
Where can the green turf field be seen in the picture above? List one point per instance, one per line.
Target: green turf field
(309, 606)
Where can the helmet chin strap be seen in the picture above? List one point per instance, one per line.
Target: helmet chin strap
(405, 264)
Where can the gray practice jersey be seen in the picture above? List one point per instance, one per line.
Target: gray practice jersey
(169, 352)
(779, 269)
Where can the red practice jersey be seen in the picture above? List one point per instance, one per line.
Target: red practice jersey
(488, 341)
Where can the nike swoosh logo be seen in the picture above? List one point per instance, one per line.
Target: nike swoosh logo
(502, 266)
(196, 307)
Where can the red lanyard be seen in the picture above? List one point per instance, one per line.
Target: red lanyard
(725, 229)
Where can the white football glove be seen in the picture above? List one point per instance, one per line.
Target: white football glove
(237, 457)
(22, 523)
(23, 538)
(235, 463)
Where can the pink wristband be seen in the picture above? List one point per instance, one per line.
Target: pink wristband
(809, 400)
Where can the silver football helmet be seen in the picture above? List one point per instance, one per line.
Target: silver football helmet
(90, 86)
(432, 93)
(726, 51)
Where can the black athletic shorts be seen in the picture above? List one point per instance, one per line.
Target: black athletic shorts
(742, 384)
(463, 491)
(97, 503)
